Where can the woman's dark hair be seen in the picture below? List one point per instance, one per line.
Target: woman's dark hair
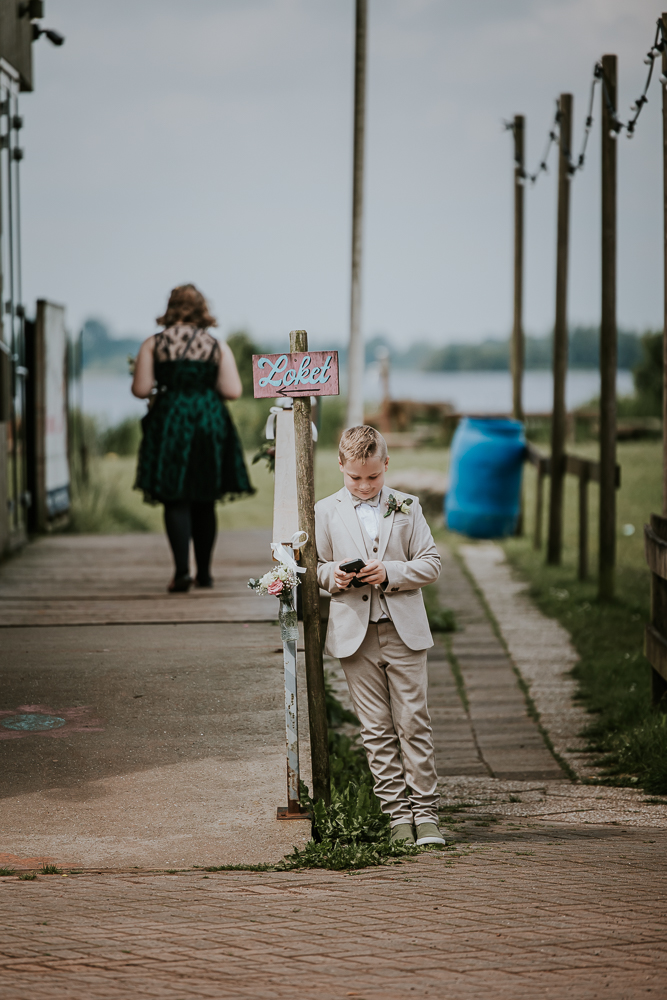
(187, 305)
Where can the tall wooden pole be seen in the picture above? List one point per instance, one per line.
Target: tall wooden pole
(517, 326)
(355, 357)
(608, 346)
(310, 590)
(664, 331)
(558, 417)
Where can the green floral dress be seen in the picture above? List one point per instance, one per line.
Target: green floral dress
(190, 449)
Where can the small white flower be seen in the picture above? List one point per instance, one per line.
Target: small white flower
(405, 508)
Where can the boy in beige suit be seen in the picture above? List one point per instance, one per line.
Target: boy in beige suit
(379, 629)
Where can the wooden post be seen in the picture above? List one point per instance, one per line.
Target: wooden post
(664, 330)
(584, 475)
(655, 635)
(558, 418)
(310, 591)
(517, 352)
(608, 347)
(355, 357)
(539, 501)
(517, 326)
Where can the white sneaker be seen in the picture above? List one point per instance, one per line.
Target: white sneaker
(428, 833)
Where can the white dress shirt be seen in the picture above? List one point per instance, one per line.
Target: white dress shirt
(368, 512)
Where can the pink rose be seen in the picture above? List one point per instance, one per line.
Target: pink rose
(275, 588)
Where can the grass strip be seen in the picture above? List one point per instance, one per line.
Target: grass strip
(626, 732)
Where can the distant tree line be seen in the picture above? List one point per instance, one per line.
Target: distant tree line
(494, 355)
(102, 352)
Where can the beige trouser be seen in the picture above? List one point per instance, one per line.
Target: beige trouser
(388, 684)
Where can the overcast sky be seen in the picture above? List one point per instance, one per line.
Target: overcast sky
(210, 141)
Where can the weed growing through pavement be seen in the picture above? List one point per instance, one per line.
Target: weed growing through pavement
(50, 870)
(352, 832)
(439, 619)
(7, 871)
(27, 876)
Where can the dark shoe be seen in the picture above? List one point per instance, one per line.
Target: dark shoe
(206, 582)
(180, 584)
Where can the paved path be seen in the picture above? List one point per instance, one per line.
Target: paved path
(171, 755)
(568, 913)
(169, 745)
(487, 730)
(122, 579)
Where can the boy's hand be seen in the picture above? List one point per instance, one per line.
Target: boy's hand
(343, 580)
(374, 572)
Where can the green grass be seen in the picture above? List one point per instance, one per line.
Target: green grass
(109, 505)
(440, 619)
(614, 677)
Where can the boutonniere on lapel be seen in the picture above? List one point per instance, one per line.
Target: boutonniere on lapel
(400, 506)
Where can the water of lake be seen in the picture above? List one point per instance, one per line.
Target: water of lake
(108, 397)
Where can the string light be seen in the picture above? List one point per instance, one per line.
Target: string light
(543, 166)
(659, 46)
(653, 53)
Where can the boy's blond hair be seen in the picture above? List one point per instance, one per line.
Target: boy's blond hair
(358, 444)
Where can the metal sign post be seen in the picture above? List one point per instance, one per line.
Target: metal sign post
(298, 375)
(289, 633)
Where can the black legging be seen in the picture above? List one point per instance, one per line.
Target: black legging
(185, 520)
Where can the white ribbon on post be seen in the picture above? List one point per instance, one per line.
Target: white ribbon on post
(284, 555)
(270, 430)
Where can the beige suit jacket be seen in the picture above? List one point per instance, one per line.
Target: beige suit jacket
(406, 548)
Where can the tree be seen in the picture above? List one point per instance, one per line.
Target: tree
(243, 347)
(648, 375)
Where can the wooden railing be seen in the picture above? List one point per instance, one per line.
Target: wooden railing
(587, 471)
(655, 636)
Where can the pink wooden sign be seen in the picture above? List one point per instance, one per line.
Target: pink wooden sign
(311, 373)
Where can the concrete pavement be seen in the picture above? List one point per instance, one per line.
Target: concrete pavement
(167, 744)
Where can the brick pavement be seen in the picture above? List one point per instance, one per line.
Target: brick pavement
(489, 730)
(559, 912)
(548, 888)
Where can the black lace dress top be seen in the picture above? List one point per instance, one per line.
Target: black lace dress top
(190, 449)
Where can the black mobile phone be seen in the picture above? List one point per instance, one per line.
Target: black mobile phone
(353, 566)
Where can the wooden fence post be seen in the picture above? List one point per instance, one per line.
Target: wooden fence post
(664, 224)
(355, 357)
(517, 326)
(584, 476)
(558, 418)
(608, 346)
(539, 502)
(655, 635)
(310, 590)
(517, 352)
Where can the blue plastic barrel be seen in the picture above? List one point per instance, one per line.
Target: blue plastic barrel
(485, 477)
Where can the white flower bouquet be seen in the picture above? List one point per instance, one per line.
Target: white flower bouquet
(278, 582)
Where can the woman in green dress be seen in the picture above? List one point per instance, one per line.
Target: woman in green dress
(190, 454)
